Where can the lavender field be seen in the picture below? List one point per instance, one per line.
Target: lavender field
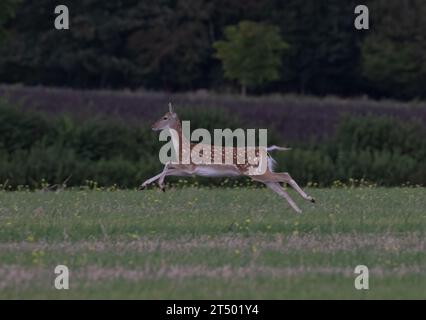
(295, 118)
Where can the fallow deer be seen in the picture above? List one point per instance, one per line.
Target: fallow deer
(270, 178)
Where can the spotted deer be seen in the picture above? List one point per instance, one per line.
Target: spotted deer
(235, 169)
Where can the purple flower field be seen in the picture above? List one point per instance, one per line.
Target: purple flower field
(296, 118)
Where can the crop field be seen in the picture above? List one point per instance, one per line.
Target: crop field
(218, 243)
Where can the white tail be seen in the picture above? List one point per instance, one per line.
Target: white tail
(274, 147)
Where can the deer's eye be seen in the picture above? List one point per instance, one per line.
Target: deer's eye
(165, 118)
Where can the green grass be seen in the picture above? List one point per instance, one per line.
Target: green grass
(204, 243)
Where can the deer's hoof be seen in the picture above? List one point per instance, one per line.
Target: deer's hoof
(142, 187)
(313, 200)
(163, 188)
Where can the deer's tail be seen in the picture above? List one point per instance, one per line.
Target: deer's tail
(274, 147)
(271, 161)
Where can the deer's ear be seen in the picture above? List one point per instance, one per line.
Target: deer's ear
(170, 107)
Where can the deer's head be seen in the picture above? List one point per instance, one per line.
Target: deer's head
(169, 120)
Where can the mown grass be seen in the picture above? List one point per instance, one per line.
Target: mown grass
(213, 243)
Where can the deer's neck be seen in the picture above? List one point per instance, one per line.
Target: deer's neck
(179, 141)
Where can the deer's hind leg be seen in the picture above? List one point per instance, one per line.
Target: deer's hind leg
(272, 181)
(276, 187)
(285, 177)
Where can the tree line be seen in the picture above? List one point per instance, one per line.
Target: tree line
(169, 45)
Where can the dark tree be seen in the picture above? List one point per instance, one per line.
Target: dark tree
(394, 55)
(7, 10)
(251, 53)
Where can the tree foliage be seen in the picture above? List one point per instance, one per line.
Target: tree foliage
(251, 53)
(168, 45)
(6, 12)
(394, 55)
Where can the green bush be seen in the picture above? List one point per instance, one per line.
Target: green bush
(381, 134)
(20, 130)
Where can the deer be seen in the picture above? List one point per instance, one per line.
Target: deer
(271, 179)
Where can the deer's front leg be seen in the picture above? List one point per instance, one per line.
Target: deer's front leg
(174, 171)
(151, 180)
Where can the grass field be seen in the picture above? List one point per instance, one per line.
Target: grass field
(213, 243)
